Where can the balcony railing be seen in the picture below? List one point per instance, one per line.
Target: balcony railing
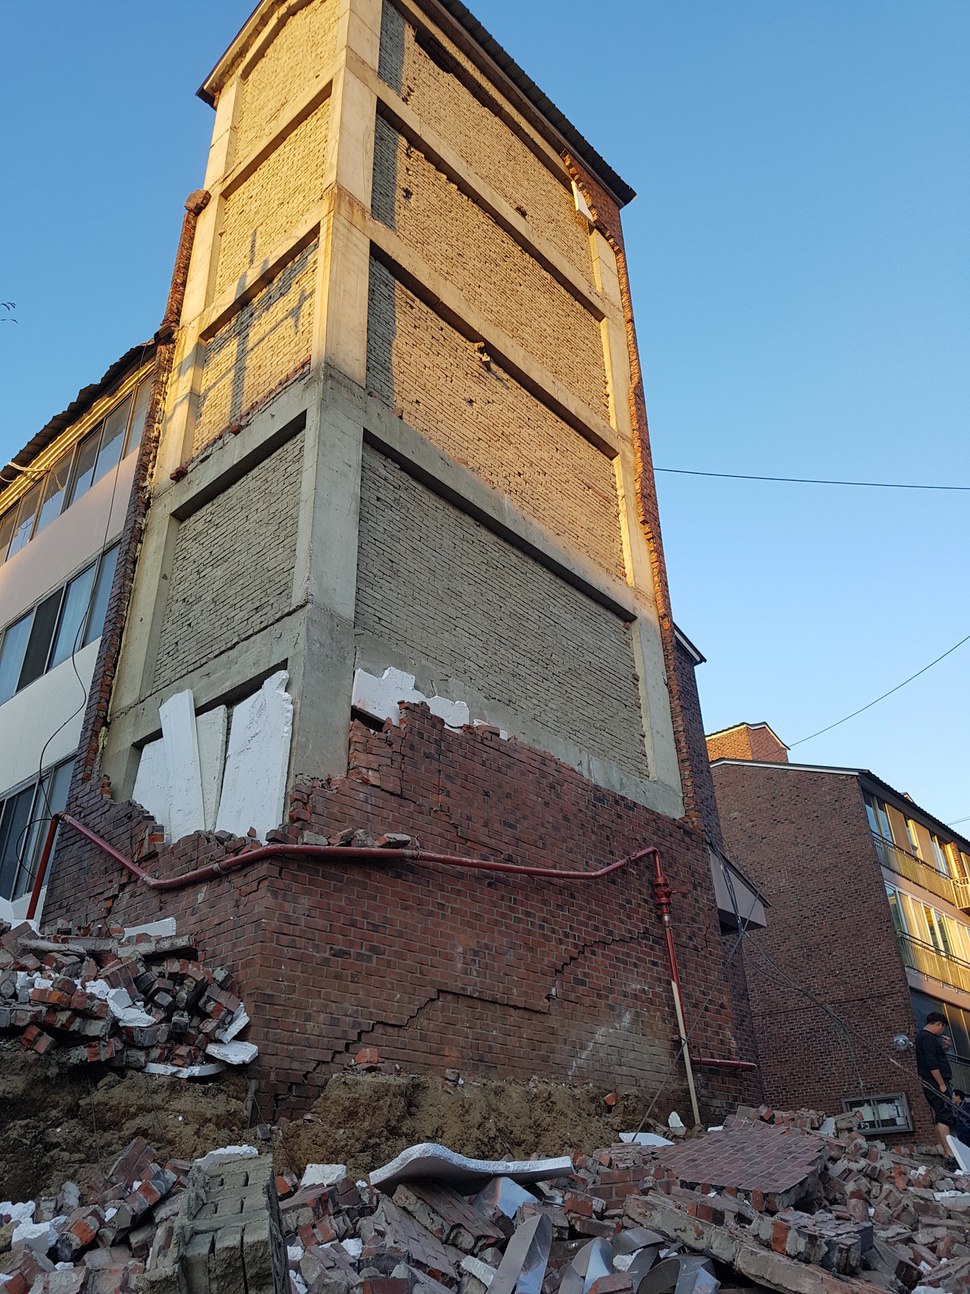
(928, 960)
(914, 869)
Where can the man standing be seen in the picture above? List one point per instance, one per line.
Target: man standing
(933, 1067)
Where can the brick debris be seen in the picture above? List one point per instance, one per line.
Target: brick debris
(128, 1001)
(793, 1203)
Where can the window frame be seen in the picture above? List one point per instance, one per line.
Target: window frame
(82, 636)
(27, 855)
(138, 398)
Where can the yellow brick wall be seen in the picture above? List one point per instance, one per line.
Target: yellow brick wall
(491, 149)
(462, 606)
(300, 54)
(485, 420)
(275, 198)
(500, 279)
(260, 346)
(232, 573)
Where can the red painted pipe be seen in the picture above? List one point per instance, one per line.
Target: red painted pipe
(335, 853)
(350, 853)
(715, 1062)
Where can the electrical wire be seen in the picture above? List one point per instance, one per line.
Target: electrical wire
(949, 651)
(809, 480)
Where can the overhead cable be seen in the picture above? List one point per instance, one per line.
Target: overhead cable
(870, 704)
(810, 480)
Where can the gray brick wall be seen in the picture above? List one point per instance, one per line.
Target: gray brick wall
(458, 105)
(258, 348)
(232, 573)
(489, 423)
(497, 277)
(460, 602)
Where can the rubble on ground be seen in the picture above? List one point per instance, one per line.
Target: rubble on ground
(127, 1000)
(792, 1203)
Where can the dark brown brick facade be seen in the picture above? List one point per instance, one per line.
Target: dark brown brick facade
(498, 975)
(803, 838)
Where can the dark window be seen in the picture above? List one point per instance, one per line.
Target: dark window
(24, 819)
(25, 519)
(66, 620)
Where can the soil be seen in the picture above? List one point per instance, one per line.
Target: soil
(364, 1121)
(60, 1125)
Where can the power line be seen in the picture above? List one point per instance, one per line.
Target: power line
(869, 706)
(809, 480)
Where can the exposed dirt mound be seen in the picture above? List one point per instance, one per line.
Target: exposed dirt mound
(57, 1125)
(363, 1121)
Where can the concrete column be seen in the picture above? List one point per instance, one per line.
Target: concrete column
(323, 675)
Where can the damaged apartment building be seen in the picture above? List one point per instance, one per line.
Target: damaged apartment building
(392, 575)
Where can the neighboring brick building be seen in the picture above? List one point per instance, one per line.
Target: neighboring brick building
(62, 507)
(869, 902)
(402, 474)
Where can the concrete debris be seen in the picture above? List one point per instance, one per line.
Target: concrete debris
(431, 1160)
(137, 1002)
(628, 1219)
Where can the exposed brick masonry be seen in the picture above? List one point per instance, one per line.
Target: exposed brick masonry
(272, 201)
(458, 105)
(481, 417)
(240, 549)
(747, 741)
(497, 276)
(440, 968)
(803, 837)
(264, 341)
(301, 52)
(438, 587)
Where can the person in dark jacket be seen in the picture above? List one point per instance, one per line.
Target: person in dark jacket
(933, 1067)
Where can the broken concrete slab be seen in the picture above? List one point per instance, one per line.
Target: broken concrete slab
(430, 1160)
(257, 758)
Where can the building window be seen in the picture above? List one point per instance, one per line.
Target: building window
(881, 1113)
(25, 815)
(878, 818)
(915, 848)
(940, 859)
(74, 473)
(64, 622)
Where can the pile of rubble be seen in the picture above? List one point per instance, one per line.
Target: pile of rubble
(123, 999)
(793, 1206)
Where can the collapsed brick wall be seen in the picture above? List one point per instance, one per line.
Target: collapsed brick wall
(452, 98)
(271, 201)
(438, 968)
(466, 608)
(487, 421)
(803, 837)
(240, 548)
(301, 51)
(263, 343)
(496, 275)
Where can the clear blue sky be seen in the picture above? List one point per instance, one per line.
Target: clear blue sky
(801, 266)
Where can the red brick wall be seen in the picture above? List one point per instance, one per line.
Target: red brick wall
(747, 741)
(498, 975)
(803, 838)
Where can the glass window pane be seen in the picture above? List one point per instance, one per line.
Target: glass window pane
(102, 591)
(8, 523)
(143, 398)
(55, 487)
(87, 454)
(67, 640)
(12, 655)
(51, 799)
(13, 830)
(25, 519)
(113, 439)
(39, 642)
